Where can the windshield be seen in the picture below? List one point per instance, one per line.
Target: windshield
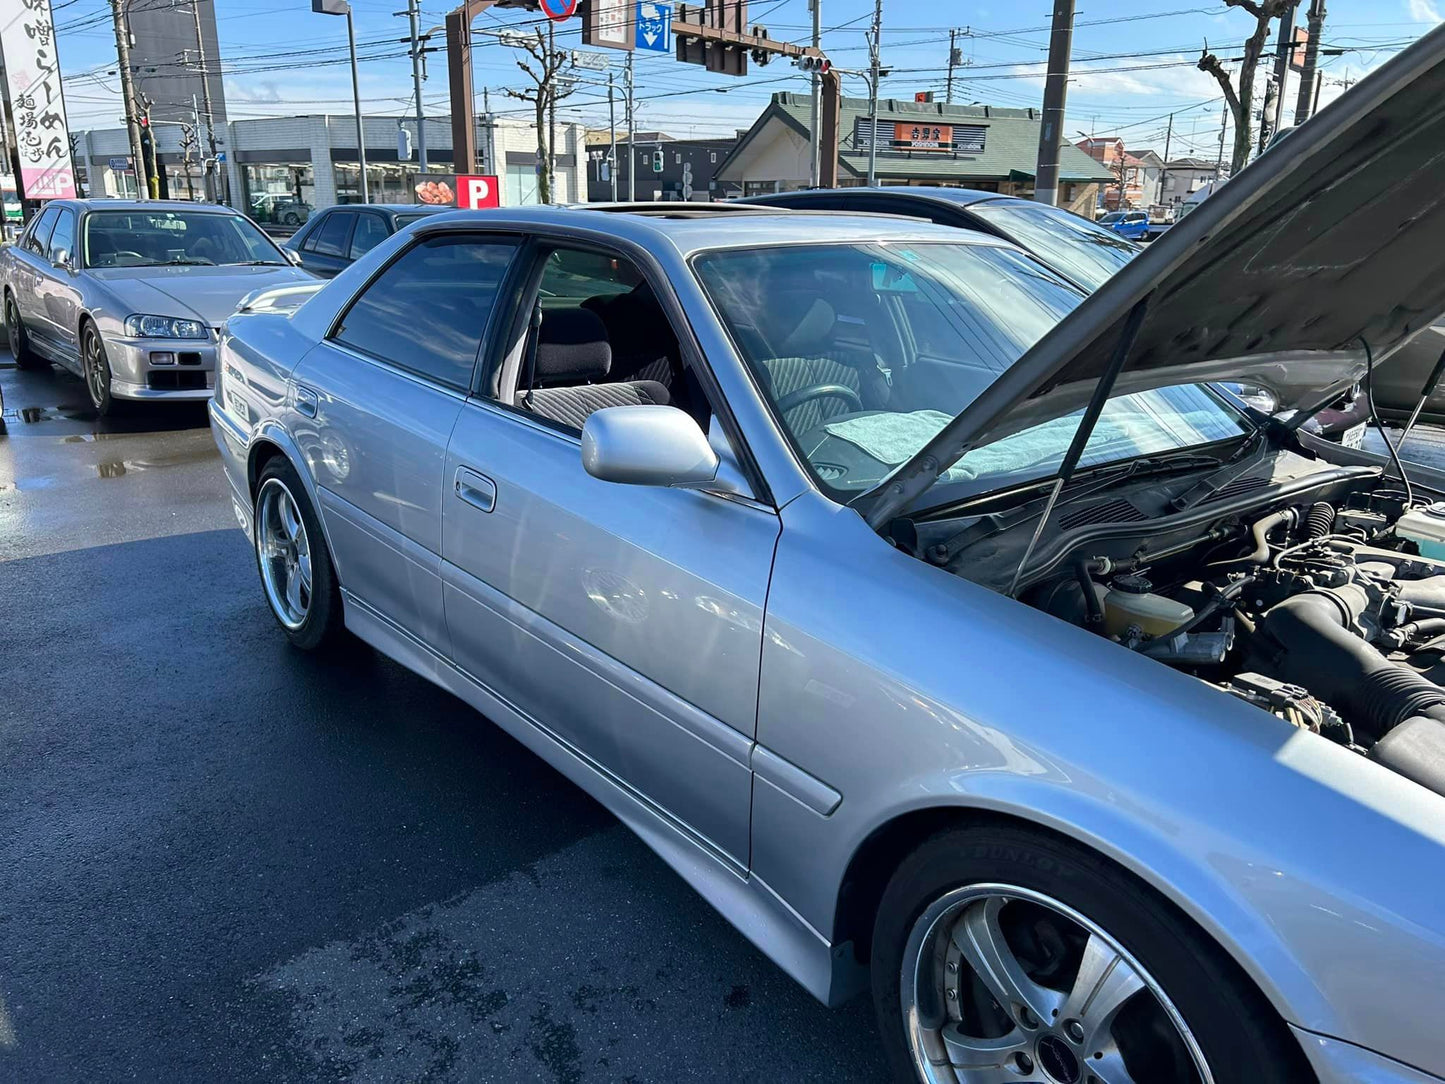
(1113, 216)
(157, 238)
(1075, 247)
(866, 351)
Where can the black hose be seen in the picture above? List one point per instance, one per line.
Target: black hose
(1320, 519)
(1315, 649)
(1425, 596)
(1093, 608)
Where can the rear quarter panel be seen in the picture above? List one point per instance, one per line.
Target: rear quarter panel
(904, 688)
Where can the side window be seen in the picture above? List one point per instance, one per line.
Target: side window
(313, 231)
(427, 312)
(331, 237)
(64, 236)
(370, 231)
(39, 242)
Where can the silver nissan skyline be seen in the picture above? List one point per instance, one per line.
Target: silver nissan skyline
(129, 295)
(958, 637)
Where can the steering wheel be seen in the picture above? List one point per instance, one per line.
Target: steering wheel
(819, 391)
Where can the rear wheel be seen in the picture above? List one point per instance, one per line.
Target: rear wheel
(20, 349)
(296, 572)
(1004, 956)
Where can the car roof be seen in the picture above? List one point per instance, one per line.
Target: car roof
(101, 204)
(690, 228)
(954, 197)
(390, 208)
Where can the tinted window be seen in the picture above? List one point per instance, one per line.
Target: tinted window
(151, 238)
(370, 231)
(427, 312)
(40, 236)
(64, 235)
(330, 237)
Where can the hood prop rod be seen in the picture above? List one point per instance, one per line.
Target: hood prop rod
(1430, 384)
(1090, 419)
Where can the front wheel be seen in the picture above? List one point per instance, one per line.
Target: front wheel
(1004, 956)
(96, 368)
(296, 571)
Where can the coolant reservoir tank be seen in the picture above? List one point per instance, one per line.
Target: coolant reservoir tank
(1426, 528)
(1130, 602)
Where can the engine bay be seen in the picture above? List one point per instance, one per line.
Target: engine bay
(1314, 591)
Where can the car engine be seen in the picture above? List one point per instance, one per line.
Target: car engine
(1314, 592)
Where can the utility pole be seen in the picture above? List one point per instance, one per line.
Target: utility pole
(875, 44)
(612, 134)
(1223, 124)
(489, 146)
(1284, 53)
(1164, 169)
(1056, 90)
(953, 59)
(815, 135)
(413, 12)
(127, 86)
(356, 99)
(153, 177)
(631, 137)
(1315, 20)
(551, 164)
(213, 190)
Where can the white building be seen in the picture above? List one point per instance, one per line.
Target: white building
(311, 160)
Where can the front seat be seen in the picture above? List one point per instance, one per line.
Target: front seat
(571, 350)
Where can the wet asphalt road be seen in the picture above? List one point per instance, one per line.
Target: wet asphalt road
(223, 860)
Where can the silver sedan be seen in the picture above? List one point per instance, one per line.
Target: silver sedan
(129, 295)
(951, 633)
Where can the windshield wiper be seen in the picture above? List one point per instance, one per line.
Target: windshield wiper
(1230, 469)
(260, 263)
(190, 261)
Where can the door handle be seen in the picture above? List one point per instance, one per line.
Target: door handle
(477, 490)
(306, 401)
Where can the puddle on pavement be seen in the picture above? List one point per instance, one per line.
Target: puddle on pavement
(117, 468)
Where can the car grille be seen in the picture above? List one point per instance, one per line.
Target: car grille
(177, 380)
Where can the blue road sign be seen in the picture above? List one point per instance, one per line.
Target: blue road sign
(221, 157)
(120, 165)
(654, 27)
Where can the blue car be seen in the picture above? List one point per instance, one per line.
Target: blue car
(1131, 224)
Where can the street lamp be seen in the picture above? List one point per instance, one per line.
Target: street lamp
(342, 7)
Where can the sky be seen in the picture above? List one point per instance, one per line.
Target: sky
(1133, 61)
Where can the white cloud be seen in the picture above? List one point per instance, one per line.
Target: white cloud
(1423, 11)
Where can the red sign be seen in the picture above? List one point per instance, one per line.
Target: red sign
(476, 191)
(923, 137)
(466, 190)
(558, 10)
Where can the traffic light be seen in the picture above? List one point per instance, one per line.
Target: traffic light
(761, 56)
(658, 160)
(820, 64)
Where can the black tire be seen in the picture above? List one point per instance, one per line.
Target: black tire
(20, 349)
(1238, 1032)
(95, 369)
(324, 624)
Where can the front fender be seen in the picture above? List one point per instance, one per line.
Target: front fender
(904, 688)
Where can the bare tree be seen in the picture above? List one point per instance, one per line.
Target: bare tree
(547, 90)
(1241, 101)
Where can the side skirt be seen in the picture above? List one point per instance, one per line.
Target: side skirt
(743, 899)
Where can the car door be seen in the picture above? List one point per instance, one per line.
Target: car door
(375, 403)
(58, 289)
(324, 250)
(624, 620)
(31, 259)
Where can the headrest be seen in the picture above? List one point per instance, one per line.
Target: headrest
(571, 345)
(813, 332)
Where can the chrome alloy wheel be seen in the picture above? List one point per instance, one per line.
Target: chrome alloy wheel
(283, 551)
(1004, 985)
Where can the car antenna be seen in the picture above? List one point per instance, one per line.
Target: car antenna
(1430, 384)
(1086, 429)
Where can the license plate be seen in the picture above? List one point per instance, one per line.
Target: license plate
(1354, 436)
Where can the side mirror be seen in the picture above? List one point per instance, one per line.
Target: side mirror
(61, 258)
(293, 256)
(647, 446)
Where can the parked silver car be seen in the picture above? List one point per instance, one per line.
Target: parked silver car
(942, 627)
(129, 295)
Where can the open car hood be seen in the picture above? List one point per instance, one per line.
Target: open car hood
(1333, 237)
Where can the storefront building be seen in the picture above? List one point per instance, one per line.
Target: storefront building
(280, 169)
(918, 143)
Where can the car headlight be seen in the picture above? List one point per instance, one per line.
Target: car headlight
(141, 326)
